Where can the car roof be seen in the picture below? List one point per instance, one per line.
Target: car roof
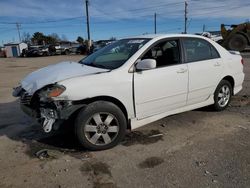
(161, 36)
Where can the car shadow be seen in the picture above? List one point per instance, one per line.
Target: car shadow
(17, 126)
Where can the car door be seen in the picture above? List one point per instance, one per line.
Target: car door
(165, 87)
(205, 68)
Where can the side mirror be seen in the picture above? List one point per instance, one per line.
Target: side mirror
(146, 64)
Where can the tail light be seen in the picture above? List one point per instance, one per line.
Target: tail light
(242, 61)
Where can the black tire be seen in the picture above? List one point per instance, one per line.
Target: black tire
(221, 101)
(88, 119)
(66, 52)
(237, 42)
(45, 53)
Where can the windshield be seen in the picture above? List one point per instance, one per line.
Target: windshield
(115, 54)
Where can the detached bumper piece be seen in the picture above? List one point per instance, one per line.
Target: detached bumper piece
(49, 118)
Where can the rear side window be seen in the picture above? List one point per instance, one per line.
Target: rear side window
(199, 50)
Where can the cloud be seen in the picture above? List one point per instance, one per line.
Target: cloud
(122, 9)
(36, 9)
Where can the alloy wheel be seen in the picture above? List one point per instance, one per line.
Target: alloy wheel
(224, 96)
(101, 129)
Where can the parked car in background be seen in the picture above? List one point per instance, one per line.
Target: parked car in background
(33, 51)
(2, 52)
(82, 49)
(36, 51)
(130, 83)
(100, 44)
(215, 37)
(63, 49)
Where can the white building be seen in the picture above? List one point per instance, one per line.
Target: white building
(14, 49)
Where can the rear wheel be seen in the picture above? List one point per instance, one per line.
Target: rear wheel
(101, 125)
(222, 95)
(237, 42)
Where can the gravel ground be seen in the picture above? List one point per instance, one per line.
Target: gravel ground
(200, 148)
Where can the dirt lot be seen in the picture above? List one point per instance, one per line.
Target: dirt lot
(199, 148)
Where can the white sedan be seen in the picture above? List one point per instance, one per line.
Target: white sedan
(130, 83)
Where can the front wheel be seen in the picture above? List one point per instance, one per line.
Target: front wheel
(222, 95)
(101, 125)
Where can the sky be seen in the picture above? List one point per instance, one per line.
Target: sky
(116, 18)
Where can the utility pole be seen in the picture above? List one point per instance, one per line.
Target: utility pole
(185, 26)
(204, 28)
(18, 30)
(155, 22)
(87, 17)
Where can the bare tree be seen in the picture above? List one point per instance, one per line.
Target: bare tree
(26, 37)
(55, 36)
(64, 38)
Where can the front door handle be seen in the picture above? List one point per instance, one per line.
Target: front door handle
(182, 70)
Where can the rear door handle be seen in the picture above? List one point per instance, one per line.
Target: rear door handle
(182, 70)
(217, 64)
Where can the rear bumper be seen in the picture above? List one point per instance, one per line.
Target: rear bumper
(238, 79)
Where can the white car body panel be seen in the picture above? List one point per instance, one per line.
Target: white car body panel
(160, 90)
(204, 77)
(149, 98)
(105, 84)
(54, 73)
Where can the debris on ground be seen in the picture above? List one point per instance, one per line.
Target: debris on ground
(240, 100)
(163, 125)
(155, 135)
(151, 162)
(137, 137)
(200, 163)
(214, 181)
(47, 154)
(100, 174)
(242, 127)
(207, 172)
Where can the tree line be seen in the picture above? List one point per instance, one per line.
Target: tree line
(38, 38)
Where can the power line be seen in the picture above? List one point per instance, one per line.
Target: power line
(144, 8)
(46, 21)
(78, 17)
(161, 6)
(218, 11)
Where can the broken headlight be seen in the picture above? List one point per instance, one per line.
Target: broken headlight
(51, 91)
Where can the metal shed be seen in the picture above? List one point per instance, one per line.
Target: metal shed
(14, 49)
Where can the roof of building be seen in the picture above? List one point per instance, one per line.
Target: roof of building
(14, 43)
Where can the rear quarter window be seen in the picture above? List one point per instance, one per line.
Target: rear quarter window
(199, 50)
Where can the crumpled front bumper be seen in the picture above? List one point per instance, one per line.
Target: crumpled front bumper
(48, 115)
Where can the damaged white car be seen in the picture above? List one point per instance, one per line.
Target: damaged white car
(130, 83)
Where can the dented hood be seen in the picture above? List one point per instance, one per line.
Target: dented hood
(54, 73)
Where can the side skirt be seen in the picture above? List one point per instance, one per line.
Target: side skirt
(135, 123)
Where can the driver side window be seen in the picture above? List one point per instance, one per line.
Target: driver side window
(165, 53)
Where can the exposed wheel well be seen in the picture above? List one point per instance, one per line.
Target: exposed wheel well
(230, 79)
(108, 99)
